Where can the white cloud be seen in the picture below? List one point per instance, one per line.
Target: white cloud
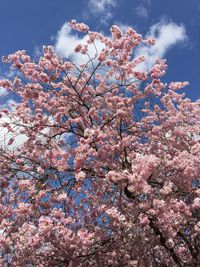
(102, 9)
(3, 91)
(143, 9)
(15, 132)
(167, 34)
(66, 42)
(100, 6)
(6, 100)
(6, 135)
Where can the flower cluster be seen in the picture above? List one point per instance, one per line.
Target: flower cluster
(97, 160)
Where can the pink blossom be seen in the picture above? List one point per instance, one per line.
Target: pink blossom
(19, 161)
(40, 170)
(177, 85)
(101, 175)
(81, 175)
(78, 26)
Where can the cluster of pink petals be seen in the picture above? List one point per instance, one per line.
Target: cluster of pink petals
(104, 174)
(177, 85)
(82, 27)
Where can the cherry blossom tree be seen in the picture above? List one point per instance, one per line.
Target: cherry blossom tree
(98, 160)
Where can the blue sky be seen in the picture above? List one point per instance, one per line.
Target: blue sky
(28, 25)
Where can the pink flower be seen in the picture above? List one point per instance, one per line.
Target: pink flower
(150, 41)
(81, 175)
(196, 202)
(82, 27)
(40, 170)
(19, 161)
(116, 32)
(170, 243)
(177, 85)
(197, 227)
(167, 188)
(144, 220)
(78, 48)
